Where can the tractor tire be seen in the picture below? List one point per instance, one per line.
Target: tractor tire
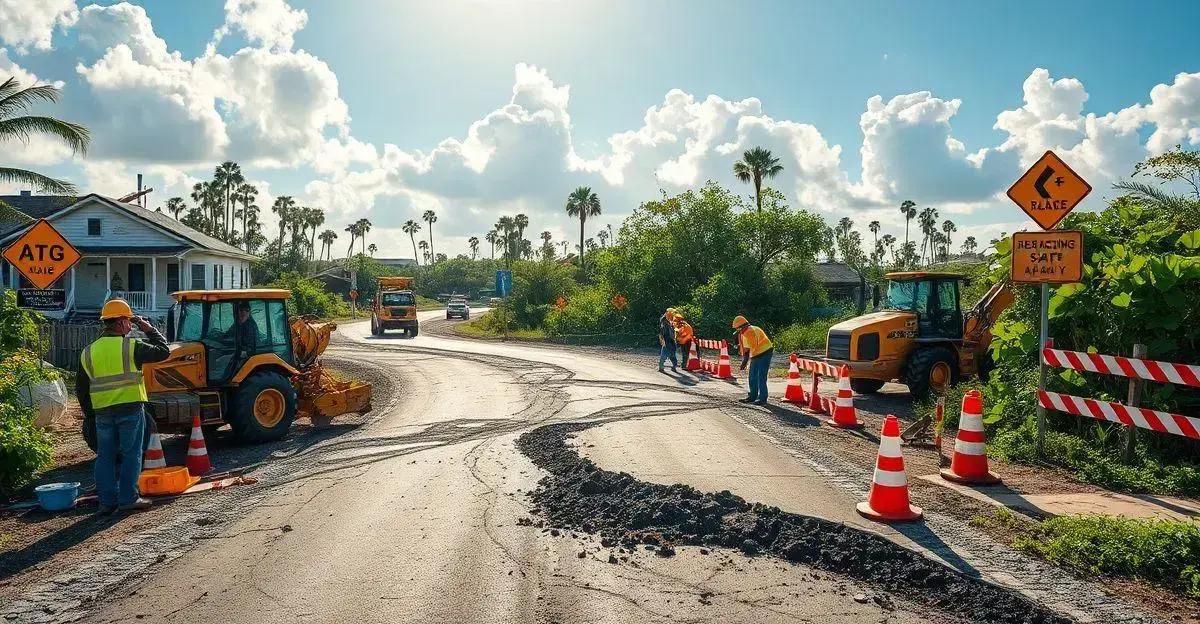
(930, 369)
(412, 333)
(263, 408)
(865, 386)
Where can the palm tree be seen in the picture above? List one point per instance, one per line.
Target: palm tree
(371, 249)
(424, 250)
(565, 244)
(227, 178)
(411, 228)
(909, 209)
(491, 237)
(246, 194)
(611, 236)
(521, 222)
(755, 165)
(364, 226)
(430, 217)
(506, 226)
(327, 237)
(969, 246)
(582, 203)
(603, 236)
(874, 227)
(949, 228)
(355, 229)
(284, 207)
(473, 243)
(175, 206)
(316, 218)
(13, 100)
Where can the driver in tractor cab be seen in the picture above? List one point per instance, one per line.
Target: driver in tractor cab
(245, 332)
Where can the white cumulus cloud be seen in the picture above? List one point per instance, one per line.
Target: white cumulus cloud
(30, 24)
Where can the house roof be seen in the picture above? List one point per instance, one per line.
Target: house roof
(835, 273)
(52, 206)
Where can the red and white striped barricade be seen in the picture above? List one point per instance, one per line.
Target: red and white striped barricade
(817, 368)
(1133, 368)
(719, 367)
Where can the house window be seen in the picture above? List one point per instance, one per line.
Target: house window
(93, 227)
(172, 277)
(198, 277)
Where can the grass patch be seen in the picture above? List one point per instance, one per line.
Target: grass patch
(488, 327)
(424, 304)
(1160, 552)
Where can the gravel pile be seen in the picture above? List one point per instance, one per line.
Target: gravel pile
(622, 510)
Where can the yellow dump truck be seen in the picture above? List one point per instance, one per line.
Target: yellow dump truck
(395, 307)
(257, 377)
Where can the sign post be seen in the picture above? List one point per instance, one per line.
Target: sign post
(42, 255)
(503, 288)
(354, 302)
(1047, 192)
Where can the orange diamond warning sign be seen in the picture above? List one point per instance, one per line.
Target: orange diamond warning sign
(42, 255)
(1049, 190)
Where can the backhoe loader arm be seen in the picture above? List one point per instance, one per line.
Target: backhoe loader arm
(978, 321)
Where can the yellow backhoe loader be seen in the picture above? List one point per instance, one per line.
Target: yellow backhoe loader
(920, 336)
(256, 377)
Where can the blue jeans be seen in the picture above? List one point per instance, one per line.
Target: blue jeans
(667, 351)
(119, 430)
(759, 366)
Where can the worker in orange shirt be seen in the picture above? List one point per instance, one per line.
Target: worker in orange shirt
(756, 350)
(683, 336)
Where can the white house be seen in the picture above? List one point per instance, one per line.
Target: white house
(128, 251)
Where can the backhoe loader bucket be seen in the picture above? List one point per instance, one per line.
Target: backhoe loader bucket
(319, 395)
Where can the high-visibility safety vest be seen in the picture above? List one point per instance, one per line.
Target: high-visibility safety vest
(112, 371)
(754, 339)
(683, 333)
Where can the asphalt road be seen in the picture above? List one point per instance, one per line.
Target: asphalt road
(423, 514)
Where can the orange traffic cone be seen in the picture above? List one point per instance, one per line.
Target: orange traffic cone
(844, 416)
(197, 455)
(723, 369)
(794, 393)
(154, 454)
(693, 363)
(970, 464)
(888, 500)
(814, 399)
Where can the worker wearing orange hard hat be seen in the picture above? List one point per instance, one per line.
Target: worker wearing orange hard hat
(683, 336)
(666, 341)
(756, 350)
(112, 396)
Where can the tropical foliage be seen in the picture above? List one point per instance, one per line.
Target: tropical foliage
(15, 123)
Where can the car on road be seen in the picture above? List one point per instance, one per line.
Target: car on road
(458, 309)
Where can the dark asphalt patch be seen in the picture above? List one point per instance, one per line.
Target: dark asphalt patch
(577, 494)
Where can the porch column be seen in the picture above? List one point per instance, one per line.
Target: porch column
(71, 299)
(107, 277)
(153, 283)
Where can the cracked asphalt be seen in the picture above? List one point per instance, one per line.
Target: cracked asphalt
(423, 513)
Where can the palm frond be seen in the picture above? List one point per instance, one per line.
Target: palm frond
(39, 182)
(1153, 195)
(74, 135)
(22, 99)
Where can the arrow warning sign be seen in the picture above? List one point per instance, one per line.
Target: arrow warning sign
(1049, 190)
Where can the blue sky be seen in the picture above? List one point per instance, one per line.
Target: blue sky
(414, 74)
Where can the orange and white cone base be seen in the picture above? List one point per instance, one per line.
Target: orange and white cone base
(724, 371)
(794, 392)
(888, 499)
(844, 415)
(693, 363)
(969, 463)
(154, 454)
(197, 454)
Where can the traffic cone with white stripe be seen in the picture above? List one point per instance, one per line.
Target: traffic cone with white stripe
(794, 393)
(814, 399)
(970, 463)
(693, 363)
(197, 455)
(888, 500)
(154, 454)
(723, 369)
(844, 416)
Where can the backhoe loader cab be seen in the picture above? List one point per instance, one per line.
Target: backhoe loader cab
(920, 335)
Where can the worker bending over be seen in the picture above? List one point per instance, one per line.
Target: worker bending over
(110, 389)
(683, 336)
(756, 349)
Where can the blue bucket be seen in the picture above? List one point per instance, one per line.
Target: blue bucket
(57, 496)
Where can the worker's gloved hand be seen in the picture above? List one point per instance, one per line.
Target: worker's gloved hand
(142, 324)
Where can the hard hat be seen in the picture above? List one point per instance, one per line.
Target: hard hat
(679, 316)
(739, 320)
(115, 308)
(671, 311)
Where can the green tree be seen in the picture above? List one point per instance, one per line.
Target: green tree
(473, 243)
(909, 209)
(411, 227)
(175, 206)
(756, 165)
(521, 222)
(14, 101)
(582, 203)
(491, 237)
(948, 228)
(283, 207)
(430, 217)
(327, 237)
(226, 179)
(969, 246)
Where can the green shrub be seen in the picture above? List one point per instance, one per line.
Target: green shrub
(310, 297)
(24, 448)
(1157, 551)
(808, 335)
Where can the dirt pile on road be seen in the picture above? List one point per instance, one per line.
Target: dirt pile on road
(577, 494)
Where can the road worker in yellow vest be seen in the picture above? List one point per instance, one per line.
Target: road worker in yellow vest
(111, 392)
(756, 350)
